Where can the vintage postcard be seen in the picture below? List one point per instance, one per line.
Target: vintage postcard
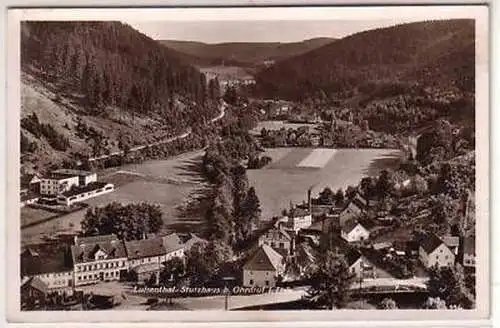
(248, 164)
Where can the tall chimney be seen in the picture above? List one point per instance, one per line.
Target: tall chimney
(309, 200)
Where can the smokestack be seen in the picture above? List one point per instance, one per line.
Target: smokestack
(309, 199)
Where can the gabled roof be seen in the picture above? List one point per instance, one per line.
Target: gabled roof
(36, 283)
(192, 240)
(45, 258)
(430, 242)
(298, 212)
(349, 225)
(264, 259)
(137, 249)
(470, 245)
(352, 256)
(85, 248)
(172, 242)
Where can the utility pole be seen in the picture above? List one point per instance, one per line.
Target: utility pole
(227, 291)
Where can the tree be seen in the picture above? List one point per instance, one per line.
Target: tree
(339, 198)
(132, 221)
(326, 197)
(447, 283)
(203, 261)
(350, 192)
(434, 303)
(172, 271)
(387, 304)
(330, 281)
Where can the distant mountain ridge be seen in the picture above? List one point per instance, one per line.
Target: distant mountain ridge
(433, 53)
(243, 53)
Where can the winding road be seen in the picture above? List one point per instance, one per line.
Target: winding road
(184, 135)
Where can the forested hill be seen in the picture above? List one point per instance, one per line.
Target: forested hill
(243, 53)
(93, 88)
(433, 53)
(110, 63)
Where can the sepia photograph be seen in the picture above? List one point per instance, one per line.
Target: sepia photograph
(251, 162)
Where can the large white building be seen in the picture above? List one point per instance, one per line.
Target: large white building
(98, 258)
(63, 180)
(299, 218)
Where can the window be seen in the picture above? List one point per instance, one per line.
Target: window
(267, 282)
(79, 278)
(282, 245)
(446, 257)
(251, 281)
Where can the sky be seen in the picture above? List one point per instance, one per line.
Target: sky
(256, 31)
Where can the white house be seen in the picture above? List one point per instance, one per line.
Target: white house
(353, 231)
(263, 268)
(98, 258)
(84, 177)
(359, 265)
(434, 252)
(54, 184)
(299, 218)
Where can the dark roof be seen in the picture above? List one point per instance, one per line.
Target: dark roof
(45, 258)
(85, 248)
(71, 172)
(264, 259)
(75, 190)
(137, 249)
(430, 242)
(470, 245)
(36, 283)
(351, 256)
(349, 225)
(172, 243)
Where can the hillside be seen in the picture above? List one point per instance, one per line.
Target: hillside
(90, 88)
(433, 53)
(243, 53)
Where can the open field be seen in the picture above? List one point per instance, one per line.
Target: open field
(284, 180)
(169, 183)
(318, 158)
(31, 215)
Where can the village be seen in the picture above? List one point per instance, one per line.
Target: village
(67, 272)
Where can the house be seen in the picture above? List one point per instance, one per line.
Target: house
(62, 180)
(434, 252)
(354, 209)
(84, 177)
(33, 293)
(278, 239)
(98, 258)
(81, 193)
(30, 183)
(50, 263)
(359, 265)
(54, 184)
(145, 257)
(190, 239)
(298, 218)
(263, 268)
(353, 231)
(469, 251)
